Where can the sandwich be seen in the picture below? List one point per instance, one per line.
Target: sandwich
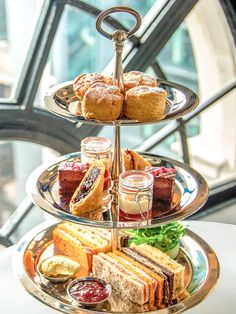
(87, 198)
(166, 264)
(80, 242)
(142, 274)
(131, 160)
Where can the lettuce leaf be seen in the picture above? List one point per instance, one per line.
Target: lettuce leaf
(164, 237)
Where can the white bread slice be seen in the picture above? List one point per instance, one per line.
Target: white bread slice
(167, 262)
(120, 279)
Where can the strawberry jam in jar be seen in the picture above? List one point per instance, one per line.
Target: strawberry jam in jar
(135, 196)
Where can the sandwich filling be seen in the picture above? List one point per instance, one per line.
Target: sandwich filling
(87, 184)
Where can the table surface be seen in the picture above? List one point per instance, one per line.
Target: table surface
(221, 237)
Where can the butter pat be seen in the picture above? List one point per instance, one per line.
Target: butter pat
(58, 266)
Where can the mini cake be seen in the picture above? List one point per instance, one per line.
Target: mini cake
(164, 180)
(102, 102)
(70, 174)
(84, 81)
(145, 103)
(136, 78)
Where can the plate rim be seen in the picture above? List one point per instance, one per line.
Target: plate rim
(35, 194)
(192, 101)
(29, 285)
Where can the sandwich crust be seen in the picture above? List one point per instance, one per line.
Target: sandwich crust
(145, 103)
(102, 102)
(137, 78)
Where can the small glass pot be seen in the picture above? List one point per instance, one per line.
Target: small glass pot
(98, 148)
(135, 196)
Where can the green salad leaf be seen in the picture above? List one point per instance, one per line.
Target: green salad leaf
(164, 237)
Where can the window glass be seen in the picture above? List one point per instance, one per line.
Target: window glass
(17, 24)
(79, 48)
(18, 159)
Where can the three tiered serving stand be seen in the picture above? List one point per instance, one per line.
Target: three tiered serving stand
(191, 192)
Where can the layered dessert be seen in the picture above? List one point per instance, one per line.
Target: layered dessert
(164, 180)
(70, 174)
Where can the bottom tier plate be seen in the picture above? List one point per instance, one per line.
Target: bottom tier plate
(200, 261)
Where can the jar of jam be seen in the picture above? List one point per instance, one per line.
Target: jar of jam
(135, 196)
(98, 148)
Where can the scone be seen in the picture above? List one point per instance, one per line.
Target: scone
(145, 103)
(87, 198)
(102, 102)
(136, 78)
(84, 81)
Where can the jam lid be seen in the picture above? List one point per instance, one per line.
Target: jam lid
(96, 145)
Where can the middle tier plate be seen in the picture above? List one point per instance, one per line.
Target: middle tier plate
(190, 194)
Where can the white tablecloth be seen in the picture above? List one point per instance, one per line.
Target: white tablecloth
(221, 237)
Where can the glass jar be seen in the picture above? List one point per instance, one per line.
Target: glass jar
(98, 148)
(135, 196)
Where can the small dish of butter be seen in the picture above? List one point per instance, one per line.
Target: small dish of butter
(58, 268)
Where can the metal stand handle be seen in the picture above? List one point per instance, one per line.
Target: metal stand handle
(119, 36)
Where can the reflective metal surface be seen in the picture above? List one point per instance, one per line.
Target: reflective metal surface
(60, 101)
(200, 261)
(190, 194)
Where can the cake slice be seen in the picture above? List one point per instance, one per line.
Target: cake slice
(164, 181)
(70, 174)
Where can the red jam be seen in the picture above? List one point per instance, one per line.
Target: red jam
(123, 216)
(89, 291)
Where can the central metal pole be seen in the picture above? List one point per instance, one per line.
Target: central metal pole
(116, 170)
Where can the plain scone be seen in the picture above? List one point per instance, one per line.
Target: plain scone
(145, 103)
(102, 102)
(137, 78)
(83, 82)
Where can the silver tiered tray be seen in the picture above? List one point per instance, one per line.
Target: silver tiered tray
(180, 100)
(201, 274)
(190, 194)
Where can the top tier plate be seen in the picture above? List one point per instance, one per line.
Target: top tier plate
(180, 100)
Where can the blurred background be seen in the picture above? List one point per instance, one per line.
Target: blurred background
(43, 43)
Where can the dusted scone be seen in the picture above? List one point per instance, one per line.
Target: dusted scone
(136, 78)
(145, 103)
(102, 102)
(84, 81)
(87, 198)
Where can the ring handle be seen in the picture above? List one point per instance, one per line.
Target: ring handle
(107, 12)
